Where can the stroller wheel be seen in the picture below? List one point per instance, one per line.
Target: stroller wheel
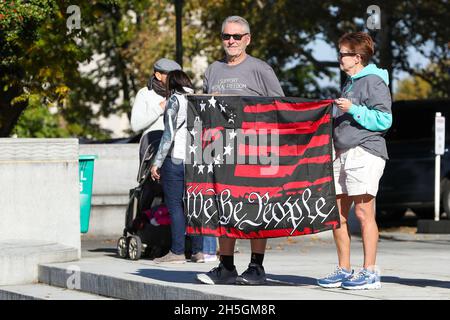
(134, 247)
(122, 247)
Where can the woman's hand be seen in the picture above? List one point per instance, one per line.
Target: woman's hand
(343, 104)
(154, 172)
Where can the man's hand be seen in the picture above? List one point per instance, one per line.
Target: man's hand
(154, 172)
(343, 104)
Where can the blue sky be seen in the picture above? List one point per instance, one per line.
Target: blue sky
(321, 50)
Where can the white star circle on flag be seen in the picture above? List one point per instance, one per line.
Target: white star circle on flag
(192, 148)
(228, 149)
(212, 102)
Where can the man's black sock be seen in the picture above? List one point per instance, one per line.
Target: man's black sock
(257, 258)
(228, 262)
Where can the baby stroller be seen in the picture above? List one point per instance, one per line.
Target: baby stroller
(140, 237)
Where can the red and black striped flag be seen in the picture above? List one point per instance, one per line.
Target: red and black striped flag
(259, 167)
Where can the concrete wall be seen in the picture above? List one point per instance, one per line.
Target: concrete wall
(115, 171)
(39, 190)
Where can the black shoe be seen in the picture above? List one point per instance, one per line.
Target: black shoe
(254, 275)
(218, 275)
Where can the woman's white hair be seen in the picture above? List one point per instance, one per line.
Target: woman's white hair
(236, 19)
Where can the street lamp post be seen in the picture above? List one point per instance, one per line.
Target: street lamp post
(179, 40)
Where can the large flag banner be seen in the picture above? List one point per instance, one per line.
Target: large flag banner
(259, 167)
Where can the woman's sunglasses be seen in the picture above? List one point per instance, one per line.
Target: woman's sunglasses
(227, 36)
(347, 54)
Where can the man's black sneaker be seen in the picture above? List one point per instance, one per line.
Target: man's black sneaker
(254, 275)
(218, 275)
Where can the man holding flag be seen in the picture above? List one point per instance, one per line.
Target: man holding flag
(239, 74)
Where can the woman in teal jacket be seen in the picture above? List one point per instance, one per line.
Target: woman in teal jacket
(361, 118)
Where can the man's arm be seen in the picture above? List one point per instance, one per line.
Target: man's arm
(146, 110)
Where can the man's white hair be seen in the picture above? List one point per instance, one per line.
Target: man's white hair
(236, 19)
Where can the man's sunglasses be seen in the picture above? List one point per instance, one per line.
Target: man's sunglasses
(347, 54)
(227, 36)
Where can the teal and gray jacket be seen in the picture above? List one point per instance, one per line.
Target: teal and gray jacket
(370, 115)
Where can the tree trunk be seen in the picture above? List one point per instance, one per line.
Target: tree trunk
(9, 113)
(385, 45)
(178, 33)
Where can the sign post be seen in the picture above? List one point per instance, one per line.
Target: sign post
(439, 149)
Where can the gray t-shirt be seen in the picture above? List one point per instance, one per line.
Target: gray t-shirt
(251, 77)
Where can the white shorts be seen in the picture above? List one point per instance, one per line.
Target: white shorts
(357, 172)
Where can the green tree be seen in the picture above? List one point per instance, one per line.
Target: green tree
(283, 29)
(416, 87)
(155, 37)
(37, 56)
(124, 38)
(110, 84)
(39, 121)
(281, 32)
(40, 58)
(412, 88)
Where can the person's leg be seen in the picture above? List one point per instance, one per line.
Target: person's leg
(366, 179)
(342, 240)
(197, 244)
(227, 252)
(209, 249)
(226, 246)
(258, 245)
(226, 272)
(173, 188)
(258, 249)
(342, 237)
(197, 249)
(365, 212)
(255, 274)
(209, 245)
(368, 277)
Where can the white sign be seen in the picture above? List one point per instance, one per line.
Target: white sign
(439, 134)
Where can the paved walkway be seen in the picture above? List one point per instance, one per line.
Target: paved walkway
(412, 266)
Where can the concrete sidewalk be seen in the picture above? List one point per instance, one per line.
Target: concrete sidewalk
(412, 267)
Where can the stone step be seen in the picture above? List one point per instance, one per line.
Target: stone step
(124, 279)
(44, 292)
(19, 259)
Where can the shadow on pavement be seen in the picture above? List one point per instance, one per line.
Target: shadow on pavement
(416, 282)
(289, 280)
(180, 276)
(107, 250)
(428, 241)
